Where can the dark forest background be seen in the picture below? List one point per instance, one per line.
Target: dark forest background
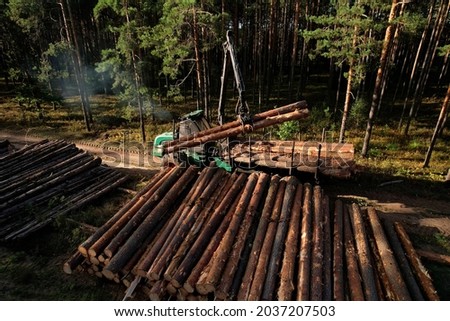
(369, 53)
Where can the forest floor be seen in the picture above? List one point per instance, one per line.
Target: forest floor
(391, 179)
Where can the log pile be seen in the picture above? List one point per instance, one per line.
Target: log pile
(295, 111)
(222, 236)
(47, 179)
(331, 159)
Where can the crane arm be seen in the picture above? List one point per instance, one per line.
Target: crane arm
(242, 110)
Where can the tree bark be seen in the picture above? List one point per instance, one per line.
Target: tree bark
(327, 251)
(84, 247)
(388, 261)
(378, 82)
(355, 288)
(261, 274)
(207, 233)
(202, 263)
(364, 257)
(244, 290)
(273, 268)
(228, 275)
(414, 260)
(157, 213)
(220, 257)
(196, 228)
(127, 212)
(410, 280)
(317, 247)
(437, 129)
(338, 252)
(304, 266)
(287, 274)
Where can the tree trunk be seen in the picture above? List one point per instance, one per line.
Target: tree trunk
(404, 266)
(273, 268)
(200, 267)
(428, 61)
(414, 260)
(220, 257)
(207, 233)
(355, 289)
(126, 214)
(327, 251)
(378, 82)
(198, 63)
(317, 263)
(294, 45)
(437, 129)
(287, 274)
(364, 257)
(388, 261)
(416, 60)
(223, 289)
(259, 239)
(261, 270)
(76, 58)
(348, 92)
(157, 213)
(304, 266)
(338, 252)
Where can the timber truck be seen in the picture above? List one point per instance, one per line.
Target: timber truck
(314, 157)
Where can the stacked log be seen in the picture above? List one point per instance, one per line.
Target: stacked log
(48, 179)
(295, 111)
(222, 236)
(334, 159)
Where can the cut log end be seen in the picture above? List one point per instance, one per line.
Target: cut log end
(67, 269)
(108, 253)
(189, 288)
(109, 274)
(205, 288)
(91, 252)
(83, 250)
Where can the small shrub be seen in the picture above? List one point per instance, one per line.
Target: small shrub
(288, 130)
(358, 112)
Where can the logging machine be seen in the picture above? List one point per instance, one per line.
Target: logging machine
(194, 122)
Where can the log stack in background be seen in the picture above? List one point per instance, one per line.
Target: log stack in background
(216, 235)
(47, 179)
(330, 159)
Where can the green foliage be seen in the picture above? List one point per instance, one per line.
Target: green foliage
(341, 35)
(27, 14)
(444, 50)
(171, 39)
(411, 23)
(358, 112)
(53, 62)
(288, 130)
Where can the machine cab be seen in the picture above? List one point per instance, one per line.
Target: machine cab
(189, 124)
